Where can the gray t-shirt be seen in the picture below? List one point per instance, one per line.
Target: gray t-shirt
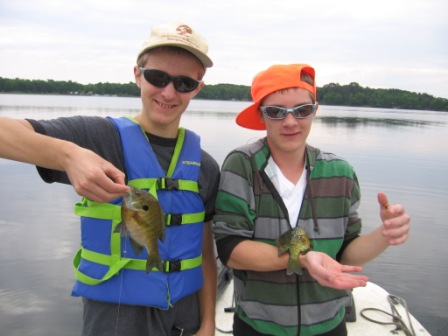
(101, 136)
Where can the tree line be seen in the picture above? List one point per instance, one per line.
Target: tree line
(331, 94)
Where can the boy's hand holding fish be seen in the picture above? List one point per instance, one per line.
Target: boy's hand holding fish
(324, 269)
(328, 272)
(92, 176)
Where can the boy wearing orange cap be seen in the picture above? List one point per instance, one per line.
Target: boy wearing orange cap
(278, 183)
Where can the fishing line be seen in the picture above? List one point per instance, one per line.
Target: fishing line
(121, 288)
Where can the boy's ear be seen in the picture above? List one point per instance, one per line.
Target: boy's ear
(195, 92)
(137, 76)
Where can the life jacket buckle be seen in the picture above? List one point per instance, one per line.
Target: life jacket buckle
(167, 183)
(170, 266)
(174, 219)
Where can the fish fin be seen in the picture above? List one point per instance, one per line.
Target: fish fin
(162, 234)
(154, 261)
(119, 227)
(136, 246)
(122, 229)
(282, 250)
(294, 267)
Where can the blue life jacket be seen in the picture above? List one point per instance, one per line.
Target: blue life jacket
(106, 267)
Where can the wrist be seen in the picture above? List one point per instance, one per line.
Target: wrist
(67, 150)
(303, 260)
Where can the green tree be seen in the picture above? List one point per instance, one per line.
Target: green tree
(331, 94)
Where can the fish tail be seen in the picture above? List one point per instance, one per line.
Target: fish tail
(294, 267)
(153, 261)
(282, 249)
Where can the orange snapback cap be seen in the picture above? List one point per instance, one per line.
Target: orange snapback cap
(275, 78)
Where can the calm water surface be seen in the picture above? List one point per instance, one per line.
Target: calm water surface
(402, 153)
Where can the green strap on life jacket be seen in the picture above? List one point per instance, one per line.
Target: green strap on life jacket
(88, 208)
(165, 183)
(115, 265)
(181, 219)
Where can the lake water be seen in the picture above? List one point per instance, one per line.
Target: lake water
(403, 153)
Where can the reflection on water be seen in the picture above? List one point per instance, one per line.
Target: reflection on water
(399, 152)
(38, 237)
(351, 122)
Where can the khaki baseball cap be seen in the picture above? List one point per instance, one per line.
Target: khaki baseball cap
(275, 78)
(179, 35)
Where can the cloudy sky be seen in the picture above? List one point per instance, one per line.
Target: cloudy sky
(399, 44)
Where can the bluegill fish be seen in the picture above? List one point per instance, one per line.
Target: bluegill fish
(143, 219)
(296, 241)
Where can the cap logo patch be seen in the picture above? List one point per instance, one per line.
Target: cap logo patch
(184, 30)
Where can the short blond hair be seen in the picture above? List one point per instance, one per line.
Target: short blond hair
(141, 61)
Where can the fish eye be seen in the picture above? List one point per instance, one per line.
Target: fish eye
(145, 207)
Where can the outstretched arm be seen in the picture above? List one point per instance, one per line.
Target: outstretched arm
(393, 231)
(262, 257)
(90, 175)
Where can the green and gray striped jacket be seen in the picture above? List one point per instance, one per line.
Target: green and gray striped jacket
(249, 206)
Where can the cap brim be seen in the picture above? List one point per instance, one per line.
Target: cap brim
(250, 118)
(205, 60)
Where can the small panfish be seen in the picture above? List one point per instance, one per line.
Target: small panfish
(143, 219)
(296, 241)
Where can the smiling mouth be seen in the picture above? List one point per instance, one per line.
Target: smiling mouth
(165, 106)
(291, 134)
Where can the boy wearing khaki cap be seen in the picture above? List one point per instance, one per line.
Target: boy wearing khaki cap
(280, 186)
(100, 157)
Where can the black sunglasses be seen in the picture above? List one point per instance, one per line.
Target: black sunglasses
(279, 113)
(161, 79)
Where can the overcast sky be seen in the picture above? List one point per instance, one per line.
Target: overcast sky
(399, 44)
